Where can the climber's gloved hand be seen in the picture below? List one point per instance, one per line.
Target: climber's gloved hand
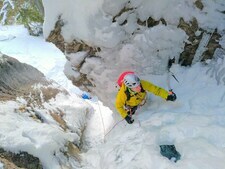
(172, 96)
(129, 119)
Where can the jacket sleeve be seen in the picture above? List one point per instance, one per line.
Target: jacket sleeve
(154, 89)
(120, 103)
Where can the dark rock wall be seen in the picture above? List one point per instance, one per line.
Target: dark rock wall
(17, 77)
(22, 160)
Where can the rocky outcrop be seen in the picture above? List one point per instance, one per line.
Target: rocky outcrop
(16, 78)
(72, 47)
(68, 47)
(20, 160)
(150, 22)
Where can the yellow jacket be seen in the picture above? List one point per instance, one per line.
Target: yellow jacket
(137, 98)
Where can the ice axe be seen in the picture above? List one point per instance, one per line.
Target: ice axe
(170, 62)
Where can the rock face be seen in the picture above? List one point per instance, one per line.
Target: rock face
(17, 77)
(21, 160)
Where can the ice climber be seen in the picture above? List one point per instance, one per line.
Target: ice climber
(133, 93)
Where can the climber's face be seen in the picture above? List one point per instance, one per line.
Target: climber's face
(136, 89)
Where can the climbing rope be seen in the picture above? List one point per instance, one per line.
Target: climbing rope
(113, 127)
(105, 134)
(120, 122)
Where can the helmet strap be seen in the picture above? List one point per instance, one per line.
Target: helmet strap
(131, 91)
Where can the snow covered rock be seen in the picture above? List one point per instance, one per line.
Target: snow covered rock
(139, 36)
(68, 47)
(39, 117)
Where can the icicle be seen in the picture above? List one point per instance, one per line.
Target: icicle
(11, 3)
(202, 46)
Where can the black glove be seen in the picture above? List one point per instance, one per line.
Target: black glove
(132, 111)
(129, 119)
(172, 96)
